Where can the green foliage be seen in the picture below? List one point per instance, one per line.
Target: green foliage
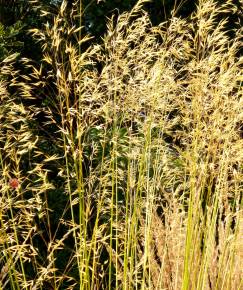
(9, 42)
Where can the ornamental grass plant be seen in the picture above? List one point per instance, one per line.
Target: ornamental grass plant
(121, 162)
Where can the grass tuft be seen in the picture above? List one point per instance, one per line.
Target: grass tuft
(121, 163)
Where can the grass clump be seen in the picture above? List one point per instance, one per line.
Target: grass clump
(128, 156)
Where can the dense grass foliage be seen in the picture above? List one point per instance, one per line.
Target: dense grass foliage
(121, 163)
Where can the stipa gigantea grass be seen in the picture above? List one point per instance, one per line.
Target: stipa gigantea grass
(147, 155)
(215, 101)
(18, 212)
